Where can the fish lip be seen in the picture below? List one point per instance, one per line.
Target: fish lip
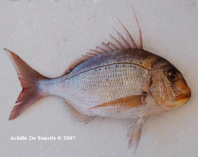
(184, 96)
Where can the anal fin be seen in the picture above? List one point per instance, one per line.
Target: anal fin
(76, 115)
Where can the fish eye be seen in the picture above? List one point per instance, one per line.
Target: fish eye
(172, 76)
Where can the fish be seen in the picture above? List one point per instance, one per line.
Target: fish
(118, 79)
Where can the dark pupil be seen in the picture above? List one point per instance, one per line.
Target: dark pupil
(172, 77)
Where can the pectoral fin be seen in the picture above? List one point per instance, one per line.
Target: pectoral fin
(76, 115)
(124, 103)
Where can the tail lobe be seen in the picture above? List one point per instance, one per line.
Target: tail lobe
(29, 79)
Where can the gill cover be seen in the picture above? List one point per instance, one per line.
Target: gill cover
(168, 87)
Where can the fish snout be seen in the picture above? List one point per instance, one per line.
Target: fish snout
(185, 96)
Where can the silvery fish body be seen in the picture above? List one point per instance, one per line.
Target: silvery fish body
(117, 80)
(108, 77)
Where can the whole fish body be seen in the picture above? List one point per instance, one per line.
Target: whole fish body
(117, 80)
(124, 76)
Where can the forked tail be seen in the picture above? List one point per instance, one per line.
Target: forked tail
(30, 81)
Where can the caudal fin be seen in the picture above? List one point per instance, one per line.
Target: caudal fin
(30, 82)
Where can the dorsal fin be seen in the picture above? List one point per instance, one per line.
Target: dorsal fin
(122, 44)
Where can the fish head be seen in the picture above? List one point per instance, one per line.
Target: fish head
(169, 88)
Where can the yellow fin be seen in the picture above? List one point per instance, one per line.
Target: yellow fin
(124, 103)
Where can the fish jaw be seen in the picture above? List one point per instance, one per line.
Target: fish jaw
(179, 101)
(183, 99)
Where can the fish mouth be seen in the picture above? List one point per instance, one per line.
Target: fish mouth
(184, 96)
(182, 99)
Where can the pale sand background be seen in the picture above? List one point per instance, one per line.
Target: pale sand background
(49, 35)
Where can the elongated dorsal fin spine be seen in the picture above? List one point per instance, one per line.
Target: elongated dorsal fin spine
(133, 45)
(140, 31)
(118, 43)
(121, 44)
(126, 43)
